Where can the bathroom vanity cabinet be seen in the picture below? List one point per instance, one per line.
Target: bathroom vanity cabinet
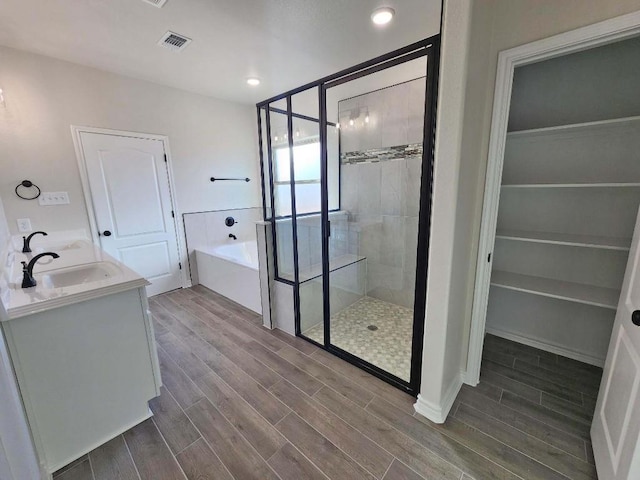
(84, 358)
(86, 372)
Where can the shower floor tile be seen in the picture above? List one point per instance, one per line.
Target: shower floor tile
(388, 347)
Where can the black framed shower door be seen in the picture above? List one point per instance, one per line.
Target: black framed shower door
(290, 216)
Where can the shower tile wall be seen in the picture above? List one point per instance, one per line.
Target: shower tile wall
(383, 203)
(395, 117)
(381, 166)
(347, 284)
(309, 242)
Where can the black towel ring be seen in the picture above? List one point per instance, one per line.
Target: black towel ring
(27, 184)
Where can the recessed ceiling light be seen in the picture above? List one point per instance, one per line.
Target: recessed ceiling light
(253, 81)
(382, 15)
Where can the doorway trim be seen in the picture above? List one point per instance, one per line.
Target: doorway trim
(86, 189)
(598, 34)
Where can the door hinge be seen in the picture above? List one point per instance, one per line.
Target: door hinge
(489, 257)
(180, 265)
(173, 214)
(328, 229)
(165, 158)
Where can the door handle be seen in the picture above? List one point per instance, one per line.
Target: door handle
(106, 233)
(635, 318)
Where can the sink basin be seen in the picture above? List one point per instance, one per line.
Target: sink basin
(77, 275)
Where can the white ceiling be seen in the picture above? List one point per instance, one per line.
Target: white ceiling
(286, 43)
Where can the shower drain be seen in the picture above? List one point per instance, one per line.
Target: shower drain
(373, 328)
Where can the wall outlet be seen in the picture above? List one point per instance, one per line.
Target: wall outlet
(53, 198)
(24, 225)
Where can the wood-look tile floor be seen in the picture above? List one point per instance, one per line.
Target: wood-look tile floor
(241, 402)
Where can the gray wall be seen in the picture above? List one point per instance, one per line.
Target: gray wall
(597, 84)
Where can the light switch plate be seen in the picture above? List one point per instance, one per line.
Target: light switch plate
(24, 225)
(53, 198)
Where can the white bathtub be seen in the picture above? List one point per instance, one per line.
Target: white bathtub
(232, 271)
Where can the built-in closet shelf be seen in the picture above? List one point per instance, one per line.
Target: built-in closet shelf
(586, 127)
(548, 287)
(600, 154)
(315, 271)
(587, 241)
(572, 185)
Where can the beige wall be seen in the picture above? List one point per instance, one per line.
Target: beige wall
(44, 97)
(495, 25)
(4, 228)
(465, 244)
(436, 365)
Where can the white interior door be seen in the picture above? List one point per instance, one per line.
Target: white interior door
(616, 423)
(131, 197)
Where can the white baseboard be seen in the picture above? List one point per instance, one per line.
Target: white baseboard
(548, 347)
(438, 413)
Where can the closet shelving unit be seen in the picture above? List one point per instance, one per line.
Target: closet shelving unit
(568, 201)
(569, 239)
(549, 287)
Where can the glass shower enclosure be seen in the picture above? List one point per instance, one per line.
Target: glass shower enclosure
(347, 165)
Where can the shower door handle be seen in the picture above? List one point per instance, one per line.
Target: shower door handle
(328, 228)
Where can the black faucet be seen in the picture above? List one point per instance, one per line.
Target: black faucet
(27, 270)
(26, 248)
(231, 235)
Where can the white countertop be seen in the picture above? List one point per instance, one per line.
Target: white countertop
(19, 302)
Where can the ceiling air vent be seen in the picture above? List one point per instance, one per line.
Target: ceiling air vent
(156, 3)
(174, 41)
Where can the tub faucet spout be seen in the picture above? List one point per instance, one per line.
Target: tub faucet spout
(231, 235)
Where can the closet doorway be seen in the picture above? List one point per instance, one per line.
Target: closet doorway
(561, 201)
